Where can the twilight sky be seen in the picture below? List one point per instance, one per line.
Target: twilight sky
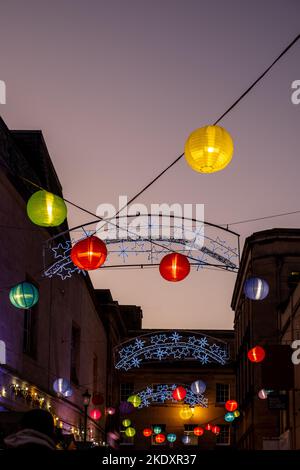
(116, 86)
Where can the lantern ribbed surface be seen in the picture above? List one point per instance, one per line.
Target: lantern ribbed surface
(130, 432)
(174, 267)
(89, 254)
(61, 385)
(24, 295)
(135, 400)
(46, 209)
(209, 149)
(256, 288)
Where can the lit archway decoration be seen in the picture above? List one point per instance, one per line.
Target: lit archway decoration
(170, 346)
(163, 393)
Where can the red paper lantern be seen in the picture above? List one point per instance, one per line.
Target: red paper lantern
(174, 267)
(97, 399)
(216, 430)
(95, 414)
(231, 405)
(147, 432)
(208, 427)
(256, 354)
(198, 431)
(179, 393)
(160, 438)
(89, 253)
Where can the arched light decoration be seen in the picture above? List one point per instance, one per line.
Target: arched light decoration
(179, 393)
(97, 399)
(186, 439)
(157, 429)
(130, 432)
(216, 430)
(198, 431)
(256, 288)
(61, 385)
(198, 387)
(160, 438)
(126, 423)
(95, 414)
(126, 408)
(89, 253)
(256, 354)
(110, 410)
(147, 432)
(209, 149)
(24, 295)
(171, 437)
(229, 417)
(186, 412)
(174, 267)
(46, 209)
(135, 400)
(231, 405)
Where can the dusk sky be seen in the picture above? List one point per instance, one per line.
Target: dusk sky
(117, 86)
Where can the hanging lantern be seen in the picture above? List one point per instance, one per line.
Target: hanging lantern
(171, 437)
(236, 413)
(89, 254)
(209, 149)
(157, 429)
(46, 209)
(174, 267)
(231, 405)
(263, 393)
(110, 410)
(97, 399)
(229, 417)
(147, 432)
(256, 354)
(186, 440)
(198, 387)
(256, 288)
(24, 295)
(186, 412)
(95, 414)
(198, 431)
(216, 430)
(130, 432)
(135, 400)
(61, 385)
(126, 408)
(208, 427)
(160, 438)
(126, 423)
(179, 393)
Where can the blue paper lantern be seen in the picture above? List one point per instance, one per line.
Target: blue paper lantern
(256, 288)
(24, 295)
(229, 417)
(61, 385)
(198, 387)
(157, 429)
(186, 439)
(171, 437)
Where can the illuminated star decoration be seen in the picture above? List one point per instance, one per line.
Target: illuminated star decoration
(164, 392)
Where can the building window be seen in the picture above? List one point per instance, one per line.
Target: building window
(223, 438)
(95, 373)
(30, 332)
(75, 354)
(222, 393)
(126, 389)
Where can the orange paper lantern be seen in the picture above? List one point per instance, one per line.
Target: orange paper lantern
(198, 431)
(231, 405)
(89, 254)
(256, 354)
(174, 267)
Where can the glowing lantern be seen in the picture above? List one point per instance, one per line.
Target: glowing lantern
(126, 423)
(209, 149)
(231, 405)
(111, 411)
(130, 432)
(157, 429)
(61, 385)
(126, 408)
(160, 438)
(89, 254)
(135, 400)
(208, 427)
(179, 393)
(216, 430)
(256, 288)
(186, 413)
(174, 267)
(68, 393)
(256, 354)
(263, 393)
(147, 432)
(97, 399)
(24, 295)
(95, 414)
(198, 431)
(186, 439)
(236, 413)
(229, 417)
(198, 387)
(171, 437)
(46, 209)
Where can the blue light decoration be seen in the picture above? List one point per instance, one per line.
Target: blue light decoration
(171, 437)
(186, 440)
(164, 392)
(61, 385)
(170, 346)
(229, 417)
(256, 288)
(198, 387)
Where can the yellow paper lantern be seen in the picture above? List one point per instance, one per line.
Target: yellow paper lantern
(130, 432)
(209, 149)
(126, 423)
(135, 400)
(46, 209)
(186, 412)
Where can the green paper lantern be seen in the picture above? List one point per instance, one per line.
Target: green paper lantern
(135, 400)
(46, 209)
(130, 432)
(126, 423)
(24, 295)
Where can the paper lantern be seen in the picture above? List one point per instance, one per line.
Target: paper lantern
(229, 417)
(209, 149)
(97, 399)
(135, 400)
(198, 431)
(256, 288)
(179, 393)
(174, 267)
(198, 387)
(126, 408)
(256, 354)
(147, 432)
(216, 430)
(126, 423)
(231, 405)
(89, 254)
(160, 438)
(263, 393)
(171, 437)
(24, 295)
(157, 429)
(236, 413)
(110, 410)
(46, 209)
(61, 385)
(130, 432)
(208, 427)
(95, 414)
(186, 439)
(186, 413)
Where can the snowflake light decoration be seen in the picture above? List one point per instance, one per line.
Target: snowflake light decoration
(164, 392)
